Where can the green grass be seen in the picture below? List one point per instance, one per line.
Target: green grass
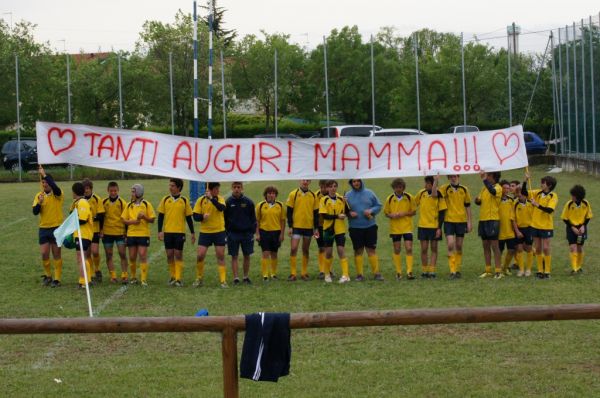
(534, 359)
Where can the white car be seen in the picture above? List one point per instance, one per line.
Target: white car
(351, 130)
(462, 129)
(396, 132)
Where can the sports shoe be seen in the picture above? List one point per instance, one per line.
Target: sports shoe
(80, 286)
(425, 275)
(133, 281)
(398, 277)
(55, 283)
(46, 280)
(236, 281)
(580, 271)
(224, 285)
(97, 277)
(344, 279)
(265, 278)
(458, 275)
(327, 279)
(452, 275)
(528, 273)
(378, 277)
(520, 274)
(125, 281)
(178, 284)
(321, 276)
(359, 278)
(198, 282)
(171, 281)
(498, 275)
(547, 276)
(305, 277)
(274, 277)
(144, 284)
(292, 278)
(486, 275)
(539, 275)
(247, 281)
(432, 275)
(113, 280)
(410, 276)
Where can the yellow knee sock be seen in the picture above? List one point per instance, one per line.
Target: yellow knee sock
(321, 262)
(133, 269)
(397, 258)
(199, 269)
(573, 256)
(539, 260)
(178, 270)
(374, 263)
(274, 267)
(409, 263)
(328, 264)
(507, 258)
(222, 273)
(113, 274)
(547, 264)
(432, 269)
(358, 262)
(458, 261)
(264, 267)
(344, 265)
(293, 267)
(46, 265)
(529, 263)
(520, 261)
(144, 268)
(304, 265)
(96, 261)
(58, 264)
(124, 275)
(88, 269)
(172, 270)
(452, 263)
(579, 259)
(81, 280)
(488, 268)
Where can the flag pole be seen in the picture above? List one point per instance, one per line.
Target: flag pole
(83, 265)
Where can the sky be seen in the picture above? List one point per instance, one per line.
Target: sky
(92, 26)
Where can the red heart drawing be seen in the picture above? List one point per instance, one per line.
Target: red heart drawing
(504, 146)
(63, 145)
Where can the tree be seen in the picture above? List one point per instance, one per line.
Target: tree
(226, 36)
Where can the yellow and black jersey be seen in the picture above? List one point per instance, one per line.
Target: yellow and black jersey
(97, 208)
(523, 212)
(429, 208)
(269, 216)
(131, 212)
(576, 214)
(51, 213)
(113, 223)
(457, 200)
(303, 204)
(506, 210)
(539, 218)
(216, 219)
(490, 204)
(320, 196)
(334, 207)
(396, 204)
(84, 211)
(175, 211)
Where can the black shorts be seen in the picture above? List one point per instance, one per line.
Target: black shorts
(237, 239)
(364, 237)
(96, 238)
(427, 234)
(527, 238)
(572, 238)
(84, 242)
(399, 237)
(269, 240)
(134, 241)
(339, 239)
(46, 235)
(510, 244)
(110, 240)
(455, 228)
(212, 238)
(489, 229)
(302, 232)
(174, 240)
(542, 233)
(320, 242)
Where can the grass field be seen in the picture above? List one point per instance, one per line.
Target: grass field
(521, 359)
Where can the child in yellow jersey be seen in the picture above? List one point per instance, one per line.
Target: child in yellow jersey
(113, 231)
(508, 226)
(334, 210)
(400, 207)
(98, 213)
(86, 226)
(576, 214)
(303, 222)
(431, 215)
(270, 230)
(320, 194)
(48, 205)
(209, 210)
(137, 215)
(489, 222)
(524, 236)
(544, 202)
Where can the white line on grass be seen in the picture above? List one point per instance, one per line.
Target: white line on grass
(12, 223)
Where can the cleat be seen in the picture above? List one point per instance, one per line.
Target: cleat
(424, 275)
(359, 278)
(328, 279)
(378, 277)
(410, 276)
(274, 277)
(46, 280)
(498, 275)
(178, 284)
(580, 271)
(398, 277)
(291, 278)
(344, 279)
(55, 283)
(236, 281)
(539, 275)
(432, 275)
(97, 277)
(452, 275)
(332, 275)
(321, 276)
(265, 278)
(171, 281)
(133, 281)
(144, 284)
(224, 285)
(198, 282)
(305, 277)
(458, 275)
(247, 281)
(528, 273)
(546, 276)
(486, 275)
(113, 280)
(520, 274)
(125, 281)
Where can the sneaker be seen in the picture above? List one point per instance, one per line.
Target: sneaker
(80, 286)
(178, 284)
(539, 275)
(133, 281)
(520, 274)
(113, 280)
(265, 278)
(580, 271)
(46, 280)
(527, 273)
(344, 279)
(452, 275)
(236, 281)
(378, 277)
(328, 279)
(144, 284)
(97, 276)
(224, 285)
(198, 282)
(171, 281)
(321, 276)
(486, 275)
(125, 281)
(332, 275)
(305, 277)
(274, 277)
(498, 275)
(546, 276)
(247, 281)
(398, 277)
(458, 275)
(359, 278)
(424, 275)
(410, 276)
(292, 278)
(55, 283)
(432, 275)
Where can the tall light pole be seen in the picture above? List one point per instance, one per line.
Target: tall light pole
(18, 115)
(171, 93)
(326, 82)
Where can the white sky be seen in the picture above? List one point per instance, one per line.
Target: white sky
(114, 24)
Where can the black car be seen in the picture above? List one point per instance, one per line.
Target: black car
(10, 154)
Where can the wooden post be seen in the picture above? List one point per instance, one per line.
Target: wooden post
(230, 363)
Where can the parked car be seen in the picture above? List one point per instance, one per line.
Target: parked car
(354, 130)
(396, 132)
(308, 134)
(462, 129)
(534, 144)
(279, 135)
(10, 154)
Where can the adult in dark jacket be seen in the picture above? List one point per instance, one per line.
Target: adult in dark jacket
(240, 224)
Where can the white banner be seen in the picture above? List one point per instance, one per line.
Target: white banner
(280, 159)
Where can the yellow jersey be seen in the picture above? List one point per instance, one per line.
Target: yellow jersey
(457, 200)
(113, 223)
(320, 196)
(131, 211)
(216, 219)
(270, 215)
(523, 212)
(84, 212)
(506, 210)
(575, 214)
(540, 219)
(429, 208)
(96, 206)
(396, 204)
(334, 207)
(51, 213)
(175, 211)
(490, 204)
(303, 204)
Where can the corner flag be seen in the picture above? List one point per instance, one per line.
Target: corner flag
(67, 228)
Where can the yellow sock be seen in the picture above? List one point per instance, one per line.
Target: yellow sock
(46, 265)
(321, 262)
(488, 269)
(133, 269)
(58, 265)
(573, 256)
(452, 263)
(539, 260)
(458, 261)
(96, 261)
(304, 265)
(579, 259)
(81, 280)
(374, 263)
(178, 270)
(529, 264)
(199, 269)
(274, 267)
(113, 274)
(293, 267)
(547, 264)
(432, 269)
(264, 267)
(409, 263)
(144, 268)
(344, 264)
(397, 259)
(520, 261)
(88, 269)
(222, 273)
(172, 270)
(328, 264)
(358, 262)
(124, 275)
